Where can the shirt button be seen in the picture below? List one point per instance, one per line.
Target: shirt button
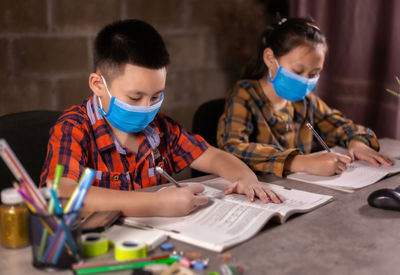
(116, 178)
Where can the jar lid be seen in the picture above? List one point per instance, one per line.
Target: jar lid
(11, 196)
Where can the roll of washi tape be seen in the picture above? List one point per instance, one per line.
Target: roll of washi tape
(94, 244)
(128, 250)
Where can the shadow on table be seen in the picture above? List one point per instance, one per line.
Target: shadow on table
(377, 213)
(274, 222)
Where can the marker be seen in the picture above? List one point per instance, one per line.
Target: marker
(110, 263)
(66, 228)
(119, 267)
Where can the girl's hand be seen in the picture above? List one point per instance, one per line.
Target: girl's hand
(359, 150)
(322, 164)
(252, 188)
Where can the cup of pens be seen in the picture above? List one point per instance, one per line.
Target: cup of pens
(54, 224)
(55, 239)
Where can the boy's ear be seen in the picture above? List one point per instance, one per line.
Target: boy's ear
(96, 84)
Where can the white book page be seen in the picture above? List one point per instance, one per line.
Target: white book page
(358, 174)
(219, 225)
(292, 199)
(231, 219)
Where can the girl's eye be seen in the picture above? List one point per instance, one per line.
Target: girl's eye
(312, 75)
(297, 72)
(155, 98)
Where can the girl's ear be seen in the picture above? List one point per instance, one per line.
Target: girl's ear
(269, 58)
(270, 62)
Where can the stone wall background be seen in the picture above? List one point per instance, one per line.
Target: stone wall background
(46, 48)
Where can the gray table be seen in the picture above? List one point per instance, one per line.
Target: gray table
(345, 236)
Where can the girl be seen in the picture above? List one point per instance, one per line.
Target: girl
(266, 112)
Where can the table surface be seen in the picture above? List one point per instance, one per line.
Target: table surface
(346, 236)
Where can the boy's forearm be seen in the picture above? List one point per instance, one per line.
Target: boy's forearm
(99, 199)
(223, 164)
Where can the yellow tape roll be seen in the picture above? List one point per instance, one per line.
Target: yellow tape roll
(94, 244)
(128, 250)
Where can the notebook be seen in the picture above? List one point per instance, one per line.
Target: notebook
(359, 174)
(229, 220)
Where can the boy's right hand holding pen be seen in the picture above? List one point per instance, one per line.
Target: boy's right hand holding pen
(174, 201)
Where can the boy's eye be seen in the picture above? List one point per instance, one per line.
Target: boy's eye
(135, 99)
(298, 72)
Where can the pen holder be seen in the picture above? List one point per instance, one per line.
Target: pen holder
(55, 239)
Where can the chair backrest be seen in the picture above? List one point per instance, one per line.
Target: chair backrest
(27, 133)
(205, 123)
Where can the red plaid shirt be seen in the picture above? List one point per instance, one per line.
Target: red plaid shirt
(82, 138)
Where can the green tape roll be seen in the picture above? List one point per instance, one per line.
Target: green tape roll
(127, 250)
(94, 244)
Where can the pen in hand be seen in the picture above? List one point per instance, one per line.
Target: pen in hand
(168, 177)
(321, 141)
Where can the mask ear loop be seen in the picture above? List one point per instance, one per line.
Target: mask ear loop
(105, 83)
(269, 71)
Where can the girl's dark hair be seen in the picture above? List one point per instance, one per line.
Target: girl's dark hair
(282, 37)
(128, 41)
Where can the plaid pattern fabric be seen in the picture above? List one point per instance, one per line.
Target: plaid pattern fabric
(264, 138)
(81, 138)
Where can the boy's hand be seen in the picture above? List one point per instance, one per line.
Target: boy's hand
(359, 150)
(252, 188)
(175, 201)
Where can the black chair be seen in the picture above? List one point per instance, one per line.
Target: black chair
(205, 123)
(27, 133)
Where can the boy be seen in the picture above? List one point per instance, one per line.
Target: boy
(118, 133)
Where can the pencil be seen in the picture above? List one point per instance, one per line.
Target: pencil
(168, 177)
(321, 141)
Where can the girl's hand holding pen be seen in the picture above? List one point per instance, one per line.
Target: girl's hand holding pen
(175, 201)
(322, 164)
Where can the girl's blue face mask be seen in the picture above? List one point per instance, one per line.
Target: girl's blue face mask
(291, 86)
(128, 118)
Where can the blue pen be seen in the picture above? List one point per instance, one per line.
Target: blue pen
(66, 229)
(76, 205)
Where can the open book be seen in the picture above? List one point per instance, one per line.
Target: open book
(358, 175)
(231, 219)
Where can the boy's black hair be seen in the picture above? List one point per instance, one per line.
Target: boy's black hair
(128, 42)
(282, 36)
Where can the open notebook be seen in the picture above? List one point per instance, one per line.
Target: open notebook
(231, 219)
(358, 175)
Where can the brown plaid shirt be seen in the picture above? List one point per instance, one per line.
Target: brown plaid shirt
(264, 138)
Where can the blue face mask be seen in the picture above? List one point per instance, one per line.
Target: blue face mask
(129, 118)
(291, 86)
